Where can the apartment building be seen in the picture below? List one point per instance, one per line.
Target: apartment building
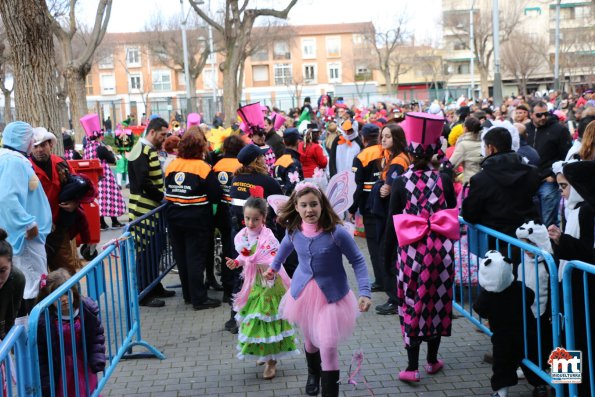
(533, 34)
(296, 62)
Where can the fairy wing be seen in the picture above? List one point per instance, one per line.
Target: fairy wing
(276, 201)
(340, 191)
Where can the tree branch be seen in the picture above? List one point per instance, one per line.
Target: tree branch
(101, 20)
(273, 13)
(206, 18)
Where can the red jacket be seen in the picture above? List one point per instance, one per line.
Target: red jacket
(311, 158)
(51, 187)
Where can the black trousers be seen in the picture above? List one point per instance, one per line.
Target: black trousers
(508, 352)
(191, 247)
(223, 224)
(390, 272)
(374, 248)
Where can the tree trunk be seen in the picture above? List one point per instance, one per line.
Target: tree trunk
(231, 91)
(7, 106)
(64, 120)
(388, 79)
(27, 27)
(75, 86)
(483, 81)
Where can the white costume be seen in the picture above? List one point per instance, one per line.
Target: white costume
(24, 205)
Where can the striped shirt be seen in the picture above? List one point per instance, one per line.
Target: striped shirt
(146, 182)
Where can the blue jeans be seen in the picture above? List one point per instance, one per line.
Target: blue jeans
(549, 202)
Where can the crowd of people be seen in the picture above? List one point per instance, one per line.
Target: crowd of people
(521, 169)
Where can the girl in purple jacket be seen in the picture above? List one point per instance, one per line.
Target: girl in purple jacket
(84, 326)
(319, 300)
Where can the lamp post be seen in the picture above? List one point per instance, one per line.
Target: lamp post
(186, 67)
(496, 39)
(472, 50)
(557, 52)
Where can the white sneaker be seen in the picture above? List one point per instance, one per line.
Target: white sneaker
(520, 373)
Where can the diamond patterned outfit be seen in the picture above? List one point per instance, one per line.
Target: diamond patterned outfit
(425, 267)
(111, 202)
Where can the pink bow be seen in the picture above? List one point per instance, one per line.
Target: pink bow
(410, 228)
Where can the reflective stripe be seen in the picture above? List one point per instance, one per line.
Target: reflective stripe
(238, 202)
(198, 201)
(186, 197)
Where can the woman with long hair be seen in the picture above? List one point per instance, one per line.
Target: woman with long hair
(311, 153)
(395, 162)
(468, 149)
(587, 150)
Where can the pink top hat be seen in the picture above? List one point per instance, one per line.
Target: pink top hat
(91, 125)
(423, 132)
(278, 120)
(252, 116)
(192, 120)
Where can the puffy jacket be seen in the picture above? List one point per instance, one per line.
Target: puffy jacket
(312, 157)
(467, 152)
(501, 194)
(94, 342)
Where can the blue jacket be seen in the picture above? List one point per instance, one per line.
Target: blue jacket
(320, 258)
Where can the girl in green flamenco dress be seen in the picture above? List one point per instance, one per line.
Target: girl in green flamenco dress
(262, 333)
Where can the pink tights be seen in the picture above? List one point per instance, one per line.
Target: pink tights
(328, 355)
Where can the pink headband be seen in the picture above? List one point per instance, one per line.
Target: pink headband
(302, 185)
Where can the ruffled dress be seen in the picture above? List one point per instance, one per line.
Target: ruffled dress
(324, 324)
(263, 334)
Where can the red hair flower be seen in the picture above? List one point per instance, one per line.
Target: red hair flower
(43, 281)
(245, 251)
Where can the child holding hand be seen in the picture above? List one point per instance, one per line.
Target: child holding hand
(320, 301)
(262, 332)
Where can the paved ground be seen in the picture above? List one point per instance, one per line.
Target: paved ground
(201, 358)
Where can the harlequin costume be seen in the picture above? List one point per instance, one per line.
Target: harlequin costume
(426, 225)
(111, 202)
(263, 333)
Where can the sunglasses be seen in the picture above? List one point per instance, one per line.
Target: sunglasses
(542, 114)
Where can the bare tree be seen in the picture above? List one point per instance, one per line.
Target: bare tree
(4, 72)
(432, 66)
(77, 58)
(522, 57)
(385, 48)
(362, 65)
(457, 24)
(235, 30)
(401, 62)
(27, 27)
(576, 53)
(166, 46)
(294, 87)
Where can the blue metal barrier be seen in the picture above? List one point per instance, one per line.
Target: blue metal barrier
(154, 256)
(479, 240)
(110, 280)
(578, 281)
(14, 343)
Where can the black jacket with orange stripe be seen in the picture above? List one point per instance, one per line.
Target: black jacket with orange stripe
(224, 170)
(285, 165)
(191, 188)
(366, 166)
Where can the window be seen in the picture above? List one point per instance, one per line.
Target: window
(582, 12)
(108, 84)
(89, 85)
(135, 82)
(459, 46)
(358, 39)
(209, 78)
(282, 74)
(132, 57)
(334, 72)
(310, 73)
(309, 48)
(462, 68)
(260, 55)
(260, 73)
(567, 13)
(333, 47)
(281, 50)
(362, 73)
(107, 62)
(161, 80)
(532, 12)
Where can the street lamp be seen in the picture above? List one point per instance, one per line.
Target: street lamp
(186, 67)
(472, 50)
(557, 53)
(496, 39)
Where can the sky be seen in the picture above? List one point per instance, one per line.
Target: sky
(423, 15)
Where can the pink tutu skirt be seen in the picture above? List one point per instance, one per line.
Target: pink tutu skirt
(323, 324)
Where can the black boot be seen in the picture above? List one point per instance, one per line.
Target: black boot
(330, 383)
(313, 382)
(231, 325)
